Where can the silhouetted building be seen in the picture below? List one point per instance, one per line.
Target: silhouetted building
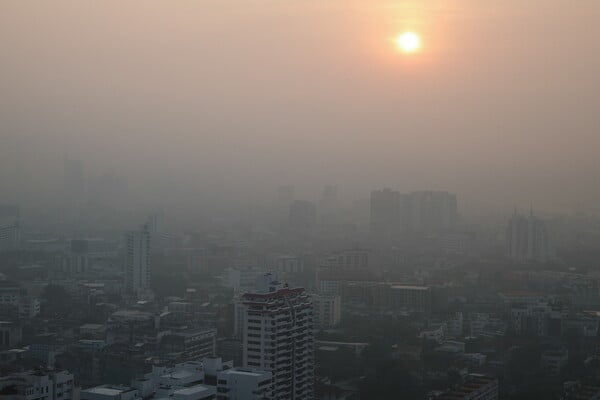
(303, 215)
(328, 205)
(285, 197)
(137, 260)
(385, 213)
(527, 239)
(430, 212)
(10, 231)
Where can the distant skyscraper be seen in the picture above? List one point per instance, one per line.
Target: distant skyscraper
(328, 206)
(10, 231)
(278, 336)
(73, 180)
(155, 225)
(137, 260)
(427, 212)
(285, 197)
(431, 212)
(527, 239)
(385, 213)
(303, 215)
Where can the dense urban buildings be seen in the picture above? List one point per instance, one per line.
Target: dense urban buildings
(296, 200)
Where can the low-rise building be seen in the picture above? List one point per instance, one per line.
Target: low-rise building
(39, 385)
(109, 392)
(244, 384)
(475, 387)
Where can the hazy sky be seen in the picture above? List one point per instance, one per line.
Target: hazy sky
(501, 105)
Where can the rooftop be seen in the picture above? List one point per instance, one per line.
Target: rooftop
(109, 390)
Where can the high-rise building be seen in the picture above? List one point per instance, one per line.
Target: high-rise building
(278, 336)
(327, 310)
(431, 212)
(303, 215)
(10, 236)
(355, 258)
(10, 230)
(328, 205)
(285, 197)
(385, 213)
(137, 260)
(527, 239)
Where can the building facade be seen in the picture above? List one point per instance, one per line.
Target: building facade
(278, 337)
(137, 260)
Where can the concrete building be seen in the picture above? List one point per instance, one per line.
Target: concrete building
(196, 392)
(475, 387)
(10, 231)
(137, 260)
(327, 310)
(11, 335)
(210, 378)
(10, 236)
(417, 298)
(36, 385)
(278, 337)
(431, 212)
(242, 278)
(303, 216)
(190, 344)
(385, 222)
(109, 392)
(554, 360)
(244, 384)
(354, 259)
(527, 239)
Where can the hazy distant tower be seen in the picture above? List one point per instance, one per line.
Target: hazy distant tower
(527, 239)
(137, 260)
(385, 213)
(303, 215)
(285, 197)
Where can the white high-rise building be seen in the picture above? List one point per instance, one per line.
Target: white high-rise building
(278, 337)
(137, 260)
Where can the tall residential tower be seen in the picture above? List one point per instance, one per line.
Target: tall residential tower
(278, 336)
(137, 260)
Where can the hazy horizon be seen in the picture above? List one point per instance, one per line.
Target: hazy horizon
(193, 101)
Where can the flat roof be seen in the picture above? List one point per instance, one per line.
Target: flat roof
(409, 287)
(193, 390)
(108, 390)
(182, 374)
(243, 371)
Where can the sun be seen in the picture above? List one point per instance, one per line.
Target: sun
(408, 42)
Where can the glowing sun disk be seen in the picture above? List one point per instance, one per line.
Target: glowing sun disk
(408, 42)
